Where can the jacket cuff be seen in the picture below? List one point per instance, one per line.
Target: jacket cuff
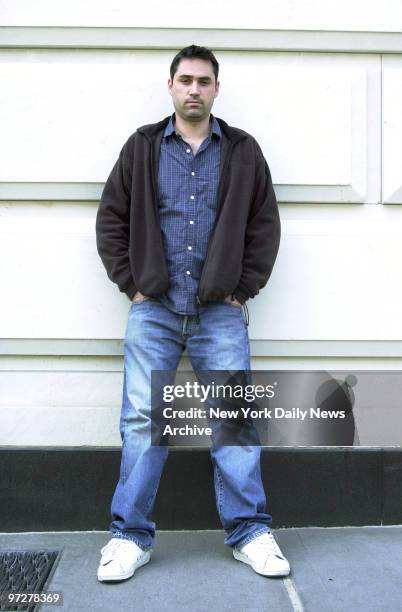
(130, 291)
(240, 296)
(242, 293)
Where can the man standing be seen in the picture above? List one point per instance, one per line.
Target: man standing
(188, 227)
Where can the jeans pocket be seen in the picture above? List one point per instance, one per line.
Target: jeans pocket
(235, 304)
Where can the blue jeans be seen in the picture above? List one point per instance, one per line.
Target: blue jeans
(155, 339)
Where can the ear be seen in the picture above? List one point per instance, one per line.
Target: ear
(217, 88)
(170, 85)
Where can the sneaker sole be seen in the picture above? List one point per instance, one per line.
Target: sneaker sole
(275, 574)
(116, 577)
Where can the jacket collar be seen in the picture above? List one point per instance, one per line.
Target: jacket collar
(214, 127)
(152, 130)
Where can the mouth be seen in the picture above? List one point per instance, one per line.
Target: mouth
(193, 102)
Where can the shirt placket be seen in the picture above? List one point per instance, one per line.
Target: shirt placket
(190, 221)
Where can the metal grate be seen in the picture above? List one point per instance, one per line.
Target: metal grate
(24, 572)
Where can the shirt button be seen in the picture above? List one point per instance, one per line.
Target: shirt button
(187, 150)
(189, 248)
(191, 222)
(193, 174)
(188, 272)
(191, 197)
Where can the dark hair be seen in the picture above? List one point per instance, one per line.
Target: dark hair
(194, 52)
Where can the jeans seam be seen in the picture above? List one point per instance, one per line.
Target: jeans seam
(220, 490)
(152, 497)
(123, 464)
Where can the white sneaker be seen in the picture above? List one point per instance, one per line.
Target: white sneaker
(120, 558)
(264, 556)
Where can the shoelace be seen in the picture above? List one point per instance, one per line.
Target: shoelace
(268, 544)
(116, 544)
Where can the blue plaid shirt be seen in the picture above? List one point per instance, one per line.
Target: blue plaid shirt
(187, 186)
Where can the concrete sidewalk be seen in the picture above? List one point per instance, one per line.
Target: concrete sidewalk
(333, 569)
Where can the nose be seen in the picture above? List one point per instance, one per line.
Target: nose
(194, 91)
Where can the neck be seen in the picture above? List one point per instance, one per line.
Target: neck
(190, 129)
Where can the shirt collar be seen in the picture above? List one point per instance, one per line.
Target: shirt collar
(214, 127)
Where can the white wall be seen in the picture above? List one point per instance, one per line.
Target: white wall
(331, 129)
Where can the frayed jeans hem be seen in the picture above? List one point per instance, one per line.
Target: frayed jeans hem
(125, 536)
(251, 537)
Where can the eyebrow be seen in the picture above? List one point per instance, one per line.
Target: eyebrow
(191, 76)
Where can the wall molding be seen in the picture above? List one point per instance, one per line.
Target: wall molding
(51, 191)
(219, 39)
(259, 348)
(91, 192)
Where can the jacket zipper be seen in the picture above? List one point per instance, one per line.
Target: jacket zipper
(220, 191)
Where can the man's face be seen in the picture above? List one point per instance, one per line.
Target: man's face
(193, 89)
